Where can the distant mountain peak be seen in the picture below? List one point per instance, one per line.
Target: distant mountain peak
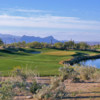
(50, 36)
(39, 39)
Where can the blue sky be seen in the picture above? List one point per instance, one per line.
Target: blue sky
(64, 19)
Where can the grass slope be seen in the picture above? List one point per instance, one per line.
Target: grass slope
(45, 63)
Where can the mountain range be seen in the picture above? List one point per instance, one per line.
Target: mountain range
(7, 38)
(11, 39)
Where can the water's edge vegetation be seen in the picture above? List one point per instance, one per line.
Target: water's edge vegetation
(79, 59)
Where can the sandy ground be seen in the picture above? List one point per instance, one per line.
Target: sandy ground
(83, 91)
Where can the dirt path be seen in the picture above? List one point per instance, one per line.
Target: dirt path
(83, 91)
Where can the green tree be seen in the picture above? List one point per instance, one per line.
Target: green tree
(59, 45)
(69, 45)
(83, 45)
(35, 45)
(45, 45)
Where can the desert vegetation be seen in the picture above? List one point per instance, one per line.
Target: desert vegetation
(24, 82)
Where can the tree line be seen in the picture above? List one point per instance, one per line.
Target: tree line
(59, 45)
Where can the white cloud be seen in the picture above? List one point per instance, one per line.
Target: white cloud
(48, 21)
(10, 10)
(29, 11)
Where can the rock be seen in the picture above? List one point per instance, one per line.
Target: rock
(29, 97)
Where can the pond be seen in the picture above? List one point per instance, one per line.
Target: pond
(35, 52)
(93, 62)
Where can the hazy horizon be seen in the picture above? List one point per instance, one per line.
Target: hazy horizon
(63, 19)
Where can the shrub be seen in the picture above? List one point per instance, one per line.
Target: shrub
(86, 72)
(42, 93)
(60, 91)
(55, 90)
(77, 73)
(25, 81)
(24, 74)
(34, 87)
(55, 82)
(96, 76)
(6, 91)
(68, 72)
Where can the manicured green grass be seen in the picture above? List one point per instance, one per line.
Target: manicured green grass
(45, 63)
